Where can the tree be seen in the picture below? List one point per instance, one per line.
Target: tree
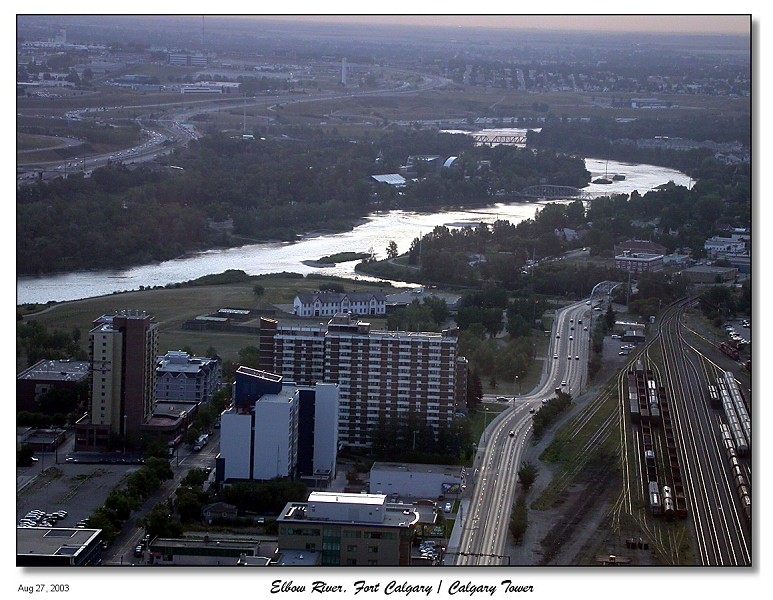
(609, 317)
(527, 475)
(391, 250)
(258, 290)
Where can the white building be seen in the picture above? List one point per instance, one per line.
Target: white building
(416, 480)
(723, 245)
(329, 304)
(181, 377)
(275, 429)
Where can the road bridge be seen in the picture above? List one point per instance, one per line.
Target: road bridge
(555, 192)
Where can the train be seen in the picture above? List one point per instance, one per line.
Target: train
(737, 471)
(667, 498)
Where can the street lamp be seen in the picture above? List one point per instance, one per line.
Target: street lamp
(124, 432)
(518, 386)
(485, 421)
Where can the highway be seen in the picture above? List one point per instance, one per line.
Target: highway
(485, 526)
(164, 132)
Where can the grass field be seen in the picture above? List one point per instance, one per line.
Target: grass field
(171, 307)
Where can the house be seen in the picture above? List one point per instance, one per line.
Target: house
(218, 510)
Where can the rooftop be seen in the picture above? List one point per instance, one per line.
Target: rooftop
(448, 470)
(52, 541)
(57, 370)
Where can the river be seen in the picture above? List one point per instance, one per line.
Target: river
(374, 233)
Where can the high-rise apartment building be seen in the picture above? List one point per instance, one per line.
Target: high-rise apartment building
(382, 375)
(122, 351)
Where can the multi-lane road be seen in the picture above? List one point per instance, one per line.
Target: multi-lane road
(485, 526)
(717, 530)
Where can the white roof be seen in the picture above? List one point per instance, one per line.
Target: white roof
(344, 498)
(391, 179)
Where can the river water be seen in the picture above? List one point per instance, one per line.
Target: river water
(373, 234)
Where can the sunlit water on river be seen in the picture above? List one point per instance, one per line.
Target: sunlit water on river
(373, 234)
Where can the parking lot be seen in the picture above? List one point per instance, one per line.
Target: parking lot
(76, 488)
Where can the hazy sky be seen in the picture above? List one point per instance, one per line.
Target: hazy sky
(703, 24)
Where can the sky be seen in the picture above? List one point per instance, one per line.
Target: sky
(644, 23)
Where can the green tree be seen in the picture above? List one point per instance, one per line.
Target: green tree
(527, 475)
(391, 249)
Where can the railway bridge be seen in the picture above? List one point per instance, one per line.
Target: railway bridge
(518, 139)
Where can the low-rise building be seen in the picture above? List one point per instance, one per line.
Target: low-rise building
(349, 529)
(710, 274)
(48, 375)
(329, 304)
(58, 547)
(416, 480)
(638, 262)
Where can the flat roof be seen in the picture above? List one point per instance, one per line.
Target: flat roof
(347, 498)
(57, 370)
(449, 470)
(53, 541)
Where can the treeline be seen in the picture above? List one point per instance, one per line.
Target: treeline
(498, 254)
(601, 137)
(412, 439)
(121, 502)
(36, 342)
(549, 413)
(272, 188)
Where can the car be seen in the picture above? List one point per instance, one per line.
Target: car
(571, 338)
(69, 459)
(563, 383)
(138, 551)
(569, 357)
(447, 507)
(577, 357)
(623, 353)
(588, 303)
(585, 328)
(571, 329)
(501, 399)
(579, 321)
(512, 434)
(555, 356)
(532, 410)
(571, 320)
(558, 336)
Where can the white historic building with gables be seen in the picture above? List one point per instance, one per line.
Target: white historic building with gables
(320, 304)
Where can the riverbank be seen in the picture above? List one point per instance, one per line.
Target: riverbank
(370, 234)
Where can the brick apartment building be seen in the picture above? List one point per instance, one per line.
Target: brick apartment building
(381, 374)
